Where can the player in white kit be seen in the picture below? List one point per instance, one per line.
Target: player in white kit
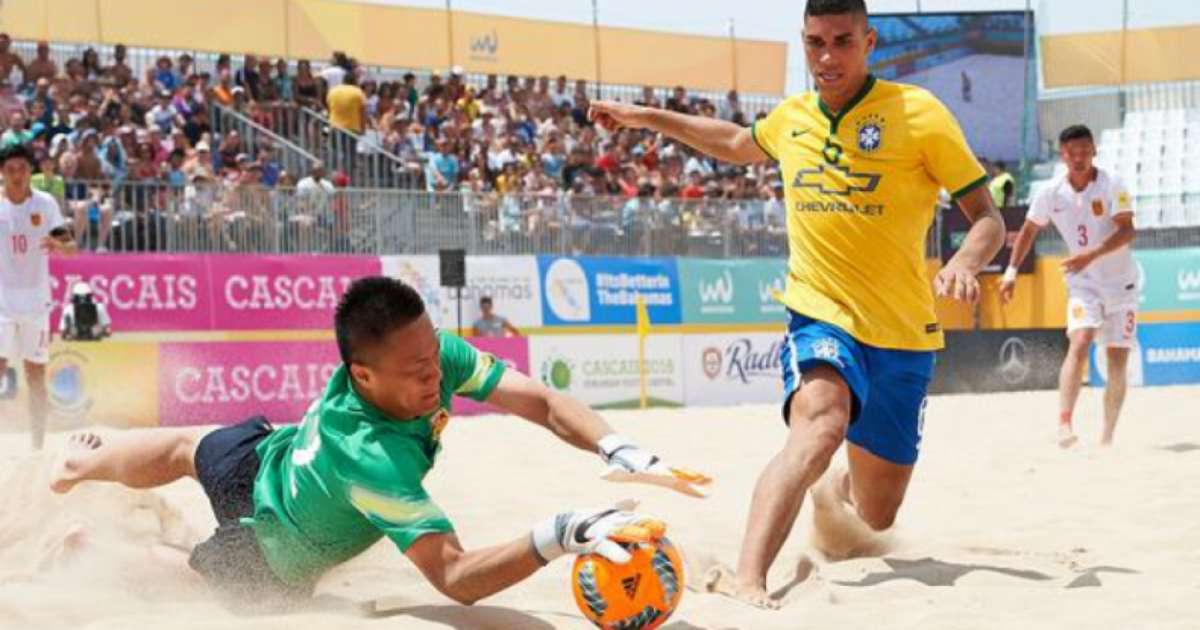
(1091, 210)
(31, 228)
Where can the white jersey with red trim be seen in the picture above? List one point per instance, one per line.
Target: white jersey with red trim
(1084, 219)
(24, 264)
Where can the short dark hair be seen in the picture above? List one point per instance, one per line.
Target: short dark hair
(835, 7)
(487, 299)
(1075, 132)
(18, 152)
(370, 310)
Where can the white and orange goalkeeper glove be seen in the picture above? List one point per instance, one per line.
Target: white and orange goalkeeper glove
(600, 531)
(627, 462)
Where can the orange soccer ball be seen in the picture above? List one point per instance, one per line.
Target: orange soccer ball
(638, 595)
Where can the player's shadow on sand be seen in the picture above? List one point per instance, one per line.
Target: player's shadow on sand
(1182, 447)
(468, 617)
(931, 572)
(1091, 577)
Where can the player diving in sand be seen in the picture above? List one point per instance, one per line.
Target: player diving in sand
(862, 161)
(292, 502)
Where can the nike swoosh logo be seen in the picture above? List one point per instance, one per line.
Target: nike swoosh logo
(796, 133)
(587, 523)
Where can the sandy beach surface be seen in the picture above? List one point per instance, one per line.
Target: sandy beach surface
(1001, 529)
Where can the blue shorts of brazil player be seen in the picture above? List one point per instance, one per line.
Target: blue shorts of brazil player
(889, 387)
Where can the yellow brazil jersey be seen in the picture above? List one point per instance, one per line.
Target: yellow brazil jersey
(861, 186)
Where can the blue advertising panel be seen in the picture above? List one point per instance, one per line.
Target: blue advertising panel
(1166, 354)
(594, 290)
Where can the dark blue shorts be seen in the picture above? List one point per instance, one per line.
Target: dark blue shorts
(889, 387)
(231, 561)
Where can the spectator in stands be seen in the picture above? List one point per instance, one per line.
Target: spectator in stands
(284, 85)
(200, 162)
(444, 167)
(313, 196)
(308, 89)
(119, 73)
(172, 169)
(249, 78)
(10, 62)
(648, 98)
(47, 181)
(184, 68)
(1002, 185)
(87, 157)
(229, 150)
(96, 209)
(114, 161)
(197, 127)
(335, 73)
(165, 77)
(42, 66)
(678, 101)
(348, 112)
(222, 93)
(562, 95)
(18, 131)
(248, 211)
(409, 91)
(468, 105)
(489, 324)
(730, 107)
(41, 103)
(164, 116)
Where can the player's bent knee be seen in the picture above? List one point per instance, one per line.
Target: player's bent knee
(183, 452)
(878, 517)
(878, 510)
(814, 440)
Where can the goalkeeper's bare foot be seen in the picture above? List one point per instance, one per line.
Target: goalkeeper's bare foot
(64, 473)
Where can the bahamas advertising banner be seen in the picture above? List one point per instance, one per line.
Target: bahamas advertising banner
(1164, 354)
(511, 282)
(597, 290)
(732, 291)
(1170, 279)
(602, 370)
(732, 369)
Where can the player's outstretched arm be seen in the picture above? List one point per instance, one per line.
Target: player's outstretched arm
(469, 576)
(1020, 250)
(984, 240)
(719, 138)
(578, 425)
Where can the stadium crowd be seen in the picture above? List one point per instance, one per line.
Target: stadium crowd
(141, 151)
(127, 151)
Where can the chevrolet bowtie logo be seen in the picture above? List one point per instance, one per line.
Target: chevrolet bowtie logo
(825, 178)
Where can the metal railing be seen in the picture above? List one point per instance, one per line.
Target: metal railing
(215, 217)
(318, 218)
(255, 137)
(362, 157)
